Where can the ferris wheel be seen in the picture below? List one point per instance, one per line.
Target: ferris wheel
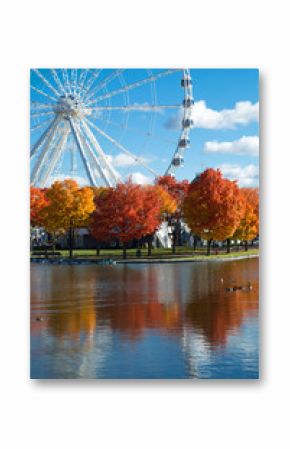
(106, 125)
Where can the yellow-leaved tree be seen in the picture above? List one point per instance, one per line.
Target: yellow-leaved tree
(70, 207)
(248, 228)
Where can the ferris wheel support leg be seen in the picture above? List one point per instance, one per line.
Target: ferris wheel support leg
(43, 137)
(95, 160)
(100, 152)
(55, 158)
(82, 151)
(42, 158)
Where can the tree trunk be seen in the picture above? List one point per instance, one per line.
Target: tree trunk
(208, 247)
(246, 245)
(124, 251)
(174, 241)
(53, 243)
(138, 248)
(150, 239)
(71, 238)
(228, 246)
(194, 243)
(97, 249)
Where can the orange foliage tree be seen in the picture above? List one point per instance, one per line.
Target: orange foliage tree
(248, 228)
(213, 206)
(38, 201)
(69, 207)
(124, 213)
(178, 191)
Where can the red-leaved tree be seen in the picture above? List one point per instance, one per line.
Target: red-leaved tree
(125, 213)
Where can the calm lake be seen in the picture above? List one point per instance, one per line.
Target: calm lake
(145, 321)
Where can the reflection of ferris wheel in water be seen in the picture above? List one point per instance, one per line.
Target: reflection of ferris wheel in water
(80, 119)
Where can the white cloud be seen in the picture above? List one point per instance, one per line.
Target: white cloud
(61, 177)
(139, 178)
(243, 113)
(125, 160)
(246, 176)
(245, 145)
(122, 160)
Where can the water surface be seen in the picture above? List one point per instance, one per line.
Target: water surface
(145, 321)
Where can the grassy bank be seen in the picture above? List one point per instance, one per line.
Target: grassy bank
(158, 253)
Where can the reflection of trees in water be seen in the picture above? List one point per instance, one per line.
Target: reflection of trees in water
(143, 299)
(67, 300)
(82, 305)
(67, 303)
(132, 299)
(214, 312)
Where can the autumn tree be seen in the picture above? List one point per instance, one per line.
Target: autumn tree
(178, 190)
(69, 207)
(38, 201)
(213, 206)
(126, 212)
(248, 228)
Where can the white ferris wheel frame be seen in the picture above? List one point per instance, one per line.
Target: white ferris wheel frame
(69, 108)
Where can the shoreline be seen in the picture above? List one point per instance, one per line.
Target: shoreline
(188, 259)
(108, 261)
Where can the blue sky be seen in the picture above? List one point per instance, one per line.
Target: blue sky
(225, 113)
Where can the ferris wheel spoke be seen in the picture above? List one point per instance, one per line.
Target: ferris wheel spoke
(95, 75)
(104, 83)
(122, 148)
(67, 84)
(149, 134)
(35, 105)
(41, 114)
(43, 93)
(134, 85)
(74, 81)
(57, 80)
(46, 82)
(82, 79)
(136, 107)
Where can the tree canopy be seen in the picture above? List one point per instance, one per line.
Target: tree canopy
(68, 206)
(248, 227)
(213, 206)
(126, 212)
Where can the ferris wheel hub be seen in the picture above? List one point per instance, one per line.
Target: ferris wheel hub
(71, 106)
